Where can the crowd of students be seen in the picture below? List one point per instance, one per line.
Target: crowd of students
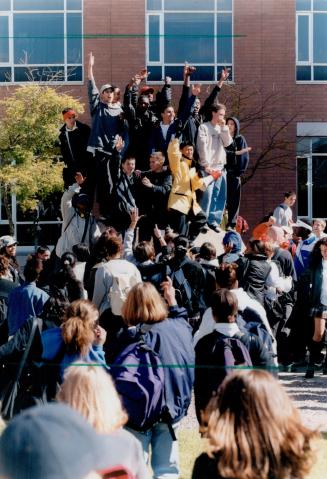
(125, 289)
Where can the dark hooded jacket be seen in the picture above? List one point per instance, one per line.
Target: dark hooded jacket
(236, 164)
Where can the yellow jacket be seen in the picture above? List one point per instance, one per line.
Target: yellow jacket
(185, 181)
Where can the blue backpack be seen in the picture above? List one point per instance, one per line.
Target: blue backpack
(231, 352)
(139, 380)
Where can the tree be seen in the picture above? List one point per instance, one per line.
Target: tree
(29, 156)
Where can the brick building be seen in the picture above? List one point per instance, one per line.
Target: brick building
(276, 50)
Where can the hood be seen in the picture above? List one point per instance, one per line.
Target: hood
(237, 124)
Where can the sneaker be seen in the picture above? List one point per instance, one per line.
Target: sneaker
(215, 227)
(310, 372)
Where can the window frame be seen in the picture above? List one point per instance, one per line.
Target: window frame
(66, 66)
(161, 63)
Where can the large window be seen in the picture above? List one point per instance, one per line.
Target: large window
(311, 40)
(41, 40)
(197, 31)
(312, 177)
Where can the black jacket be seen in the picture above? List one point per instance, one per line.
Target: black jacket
(236, 164)
(253, 272)
(74, 153)
(153, 201)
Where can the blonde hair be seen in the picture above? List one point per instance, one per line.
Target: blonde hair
(255, 431)
(144, 305)
(90, 390)
(78, 326)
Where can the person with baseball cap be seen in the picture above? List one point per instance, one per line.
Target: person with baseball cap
(8, 247)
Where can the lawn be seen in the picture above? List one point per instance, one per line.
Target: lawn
(191, 445)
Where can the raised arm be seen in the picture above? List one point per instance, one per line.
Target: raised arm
(213, 97)
(92, 90)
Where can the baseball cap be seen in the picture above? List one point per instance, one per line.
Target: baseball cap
(51, 441)
(146, 90)
(7, 241)
(104, 87)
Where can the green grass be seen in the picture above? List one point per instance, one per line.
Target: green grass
(191, 445)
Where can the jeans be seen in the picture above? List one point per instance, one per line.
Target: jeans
(213, 200)
(164, 451)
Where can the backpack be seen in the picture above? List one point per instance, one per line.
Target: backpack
(121, 286)
(260, 330)
(231, 352)
(184, 294)
(139, 380)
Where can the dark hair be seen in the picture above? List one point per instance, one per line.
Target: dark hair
(226, 275)
(315, 258)
(66, 281)
(114, 246)
(186, 143)
(81, 251)
(165, 106)
(42, 249)
(288, 194)
(181, 244)
(144, 251)
(68, 258)
(4, 265)
(55, 307)
(215, 109)
(207, 251)
(224, 304)
(128, 157)
(32, 269)
(142, 98)
(66, 110)
(257, 246)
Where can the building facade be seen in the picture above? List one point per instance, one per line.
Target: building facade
(276, 51)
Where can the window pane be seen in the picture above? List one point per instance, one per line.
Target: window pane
(303, 5)
(319, 189)
(39, 38)
(224, 5)
(221, 67)
(302, 187)
(4, 5)
(154, 39)
(303, 73)
(155, 73)
(153, 4)
(5, 74)
(74, 38)
(303, 146)
(320, 4)
(189, 37)
(224, 38)
(38, 5)
(74, 4)
(319, 145)
(320, 73)
(189, 5)
(320, 38)
(4, 40)
(74, 73)
(202, 73)
(303, 38)
(47, 74)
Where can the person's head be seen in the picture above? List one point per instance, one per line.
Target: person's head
(157, 161)
(276, 235)
(69, 115)
(226, 276)
(217, 113)
(187, 150)
(255, 431)
(82, 203)
(170, 237)
(4, 266)
(256, 247)
(128, 165)
(318, 226)
(197, 105)
(232, 126)
(55, 307)
(289, 198)
(168, 114)
(33, 268)
(144, 305)
(270, 249)
(144, 251)
(224, 306)
(81, 251)
(181, 246)
(301, 229)
(232, 242)
(52, 440)
(207, 251)
(116, 94)
(78, 326)
(106, 93)
(319, 252)
(113, 247)
(90, 391)
(147, 91)
(68, 259)
(8, 246)
(43, 253)
(143, 103)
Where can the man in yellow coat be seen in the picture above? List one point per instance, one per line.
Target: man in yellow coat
(186, 215)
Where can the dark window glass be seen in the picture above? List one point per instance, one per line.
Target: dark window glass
(74, 38)
(303, 146)
(320, 73)
(320, 4)
(224, 38)
(189, 37)
(39, 38)
(74, 4)
(319, 188)
(154, 39)
(221, 67)
(4, 5)
(74, 73)
(202, 73)
(189, 5)
(38, 5)
(153, 4)
(320, 38)
(303, 5)
(302, 187)
(319, 145)
(224, 5)
(303, 73)
(155, 73)
(4, 39)
(175, 72)
(46, 74)
(303, 38)
(5, 74)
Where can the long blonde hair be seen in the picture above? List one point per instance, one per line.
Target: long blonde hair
(255, 431)
(89, 390)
